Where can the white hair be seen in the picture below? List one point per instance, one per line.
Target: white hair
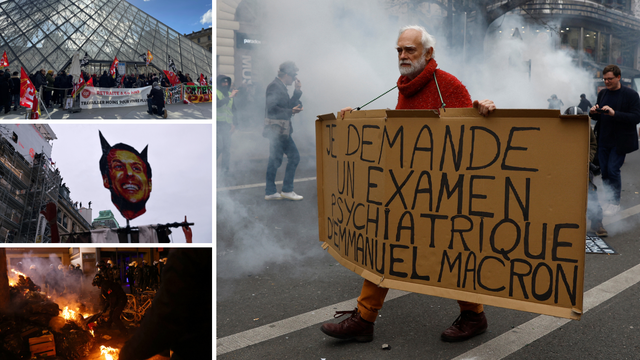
(428, 41)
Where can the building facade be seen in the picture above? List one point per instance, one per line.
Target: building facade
(202, 38)
(28, 181)
(45, 34)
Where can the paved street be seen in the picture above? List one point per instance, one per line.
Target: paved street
(276, 286)
(199, 111)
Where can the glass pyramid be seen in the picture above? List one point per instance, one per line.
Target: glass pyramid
(44, 34)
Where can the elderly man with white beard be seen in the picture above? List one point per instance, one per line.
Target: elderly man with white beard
(421, 86)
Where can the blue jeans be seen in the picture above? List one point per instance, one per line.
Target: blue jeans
(278, 147)
(610, 164)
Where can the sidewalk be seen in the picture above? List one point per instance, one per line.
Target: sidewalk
(202, 111)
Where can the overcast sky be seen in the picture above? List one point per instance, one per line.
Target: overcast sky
(180, 157)
(184, 17)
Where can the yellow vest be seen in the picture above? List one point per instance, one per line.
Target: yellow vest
(224, 113)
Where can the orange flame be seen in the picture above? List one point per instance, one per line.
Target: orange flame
(69, 314)
(14, 281)
(18, 272)
(109, 352)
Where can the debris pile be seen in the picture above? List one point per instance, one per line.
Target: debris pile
(33, 328)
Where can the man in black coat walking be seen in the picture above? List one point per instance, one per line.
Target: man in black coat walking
(617, 112)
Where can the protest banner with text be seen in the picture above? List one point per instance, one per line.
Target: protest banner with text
(95, 97)
(488, 210)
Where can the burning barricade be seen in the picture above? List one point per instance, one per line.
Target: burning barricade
(35, 326)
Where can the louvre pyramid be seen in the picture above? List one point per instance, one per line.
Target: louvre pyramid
(45, 33)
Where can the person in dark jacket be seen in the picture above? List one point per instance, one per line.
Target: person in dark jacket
(183, 79)
(115, 300)
(48, 92)
(279, 110)
(59, 84)
(156, 97)
(584, 105)
(105, 80)
(165, 82)
(15, 90)
(130, 277)
(168, 324)
(138, 277)
(5, 92)
(40, 80)
(617, 112)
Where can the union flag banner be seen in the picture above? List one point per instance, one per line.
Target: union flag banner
(78, 87)
(113, 68)
(203, 82)
(172, 77)
(27, 91)
(4, 62)
(149, 57)
(90, 82)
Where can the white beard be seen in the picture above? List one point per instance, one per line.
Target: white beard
(415, 69)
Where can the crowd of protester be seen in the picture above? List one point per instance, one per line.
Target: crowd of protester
(56, 88)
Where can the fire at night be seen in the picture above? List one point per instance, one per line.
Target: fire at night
(64, 313)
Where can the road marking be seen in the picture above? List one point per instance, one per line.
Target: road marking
(239, 187)
(520, 336)
(286, 326)
(497, 348)
(623, 214)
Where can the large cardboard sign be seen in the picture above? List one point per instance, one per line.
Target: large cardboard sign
(488, 210)
(95, 97)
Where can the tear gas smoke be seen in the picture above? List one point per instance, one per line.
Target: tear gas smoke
(254, 245)
(346, 55)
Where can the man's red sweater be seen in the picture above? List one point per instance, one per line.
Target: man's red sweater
(421, 92)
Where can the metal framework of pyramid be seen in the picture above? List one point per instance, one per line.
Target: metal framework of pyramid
(44, 34)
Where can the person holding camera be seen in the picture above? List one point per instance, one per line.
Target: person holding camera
(279, 110)
(617, 112)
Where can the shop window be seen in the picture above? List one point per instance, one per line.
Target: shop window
(569, 38)
(604, 48)
(622, 52)
(590, 43)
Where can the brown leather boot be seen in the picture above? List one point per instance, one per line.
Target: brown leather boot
(466, 326)
(353, 328)
(599, 230)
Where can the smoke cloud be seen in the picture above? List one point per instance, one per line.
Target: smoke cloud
(346, 55)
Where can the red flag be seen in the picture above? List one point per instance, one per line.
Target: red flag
(114, 65)
(4, 62)
(203, 82)
(90, 82)
(78, 87)
(149, 57)
(172, 77)
(27, 91)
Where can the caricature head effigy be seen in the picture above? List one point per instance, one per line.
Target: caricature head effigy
(127, 175)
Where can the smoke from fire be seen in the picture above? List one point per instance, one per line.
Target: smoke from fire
(39, 269)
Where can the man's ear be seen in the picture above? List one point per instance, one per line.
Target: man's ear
(429, 53)
(149, 185)
(105, 181)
